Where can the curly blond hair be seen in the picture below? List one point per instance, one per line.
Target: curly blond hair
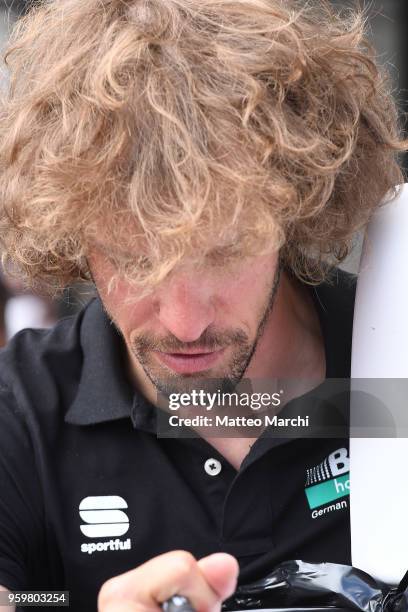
(207, 129)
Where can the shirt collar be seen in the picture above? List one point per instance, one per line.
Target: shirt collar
(104, 392)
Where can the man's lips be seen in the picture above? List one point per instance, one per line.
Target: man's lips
(189, 362)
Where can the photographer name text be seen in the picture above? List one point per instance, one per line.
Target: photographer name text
(239, 421)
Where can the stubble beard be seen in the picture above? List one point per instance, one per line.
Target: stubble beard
(210, 382)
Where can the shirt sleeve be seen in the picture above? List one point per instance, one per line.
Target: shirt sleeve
(20, 497)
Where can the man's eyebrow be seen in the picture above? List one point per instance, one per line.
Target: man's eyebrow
(114, 250)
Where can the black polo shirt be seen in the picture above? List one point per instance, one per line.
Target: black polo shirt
(88, 490)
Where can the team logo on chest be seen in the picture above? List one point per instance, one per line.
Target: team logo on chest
(103, 516)
(328, 483)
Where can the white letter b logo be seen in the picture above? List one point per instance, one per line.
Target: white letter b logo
(339, 462)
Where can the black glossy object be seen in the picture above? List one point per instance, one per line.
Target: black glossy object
(297, 586)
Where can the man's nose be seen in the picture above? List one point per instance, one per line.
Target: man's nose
(186, 309)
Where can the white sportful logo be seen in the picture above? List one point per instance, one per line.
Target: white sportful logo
(104, 516)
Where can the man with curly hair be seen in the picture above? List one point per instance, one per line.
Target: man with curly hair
(206, 164)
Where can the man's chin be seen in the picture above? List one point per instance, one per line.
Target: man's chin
(208, 382)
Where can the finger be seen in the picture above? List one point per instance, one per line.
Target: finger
(221, 572)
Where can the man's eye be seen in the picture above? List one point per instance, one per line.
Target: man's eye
(129, 262)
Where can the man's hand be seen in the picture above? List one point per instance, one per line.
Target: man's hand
(206, 583)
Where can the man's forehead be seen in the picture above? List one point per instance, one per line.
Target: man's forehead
(139, 247)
